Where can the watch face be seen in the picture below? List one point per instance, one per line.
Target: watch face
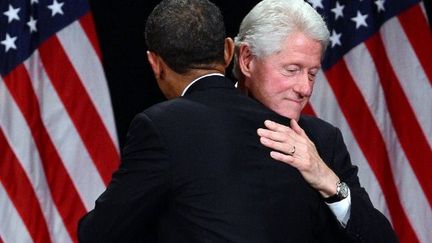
(343, 191)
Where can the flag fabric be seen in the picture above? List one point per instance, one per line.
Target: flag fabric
(375, 86)
(58, 142)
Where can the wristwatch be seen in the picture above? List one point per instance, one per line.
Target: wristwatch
(342, 192)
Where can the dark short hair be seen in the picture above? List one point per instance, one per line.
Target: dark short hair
(187, 34)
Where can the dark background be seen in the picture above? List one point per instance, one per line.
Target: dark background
(120, 28)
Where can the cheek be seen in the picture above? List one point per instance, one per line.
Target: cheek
(277, 85)
(267, 84)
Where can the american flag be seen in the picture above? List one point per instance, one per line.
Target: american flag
(376, 87)
(58, 143)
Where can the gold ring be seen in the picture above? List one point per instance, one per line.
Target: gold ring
(292, 150)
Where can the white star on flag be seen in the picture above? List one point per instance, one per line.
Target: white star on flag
(32, 24)
(316, 3)
(34, 1)
(335, 39)
(338, 10)
(12, 13)
(9, 42)
(56, 8)
(360, 20)
(380, 5)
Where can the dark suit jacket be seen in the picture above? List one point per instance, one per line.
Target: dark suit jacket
(193, 170)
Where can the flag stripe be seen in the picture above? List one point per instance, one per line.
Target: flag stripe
(90, 73)
(74, 155)
(409, 189)
(60, 183)
(309, 110)
(65, 142)
(87, 24)
(415, 25)
(408, 70)
(21, 193)
(14, 230)
(15, 128)
(374, 150)
(79, 106)
(413, 140)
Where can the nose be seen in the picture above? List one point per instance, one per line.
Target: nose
(304, 86)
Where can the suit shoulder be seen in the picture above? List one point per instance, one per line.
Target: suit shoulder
(168, 108)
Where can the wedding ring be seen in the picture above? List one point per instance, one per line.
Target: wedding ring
(292, 150)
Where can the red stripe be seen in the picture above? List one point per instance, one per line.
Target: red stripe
(21, 193)
(87, 24)
(371, 143)
(416, 27)
(61, 186)
(308, 110)
(413, 140)
(79, 107)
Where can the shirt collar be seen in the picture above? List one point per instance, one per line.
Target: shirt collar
(207, 75)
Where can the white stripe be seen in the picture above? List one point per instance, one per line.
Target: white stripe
(89, 69)
(411, 76)
(12, 228)
(423, 8)
(362, 68)
(64, 135)
(15, 129)
(326, 107)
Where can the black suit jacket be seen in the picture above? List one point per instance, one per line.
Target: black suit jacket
(193, 170)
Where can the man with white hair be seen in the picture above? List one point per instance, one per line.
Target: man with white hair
(279, 49)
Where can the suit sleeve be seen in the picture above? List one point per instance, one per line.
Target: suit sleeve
(129, 208)
(366, 224)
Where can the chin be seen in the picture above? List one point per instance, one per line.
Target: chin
(293, 115)
(288, 114)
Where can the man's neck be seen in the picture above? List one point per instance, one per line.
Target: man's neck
(184, 80)
(195, 80)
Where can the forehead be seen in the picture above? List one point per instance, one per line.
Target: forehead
(298, 47)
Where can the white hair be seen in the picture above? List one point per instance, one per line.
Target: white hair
(270, 22)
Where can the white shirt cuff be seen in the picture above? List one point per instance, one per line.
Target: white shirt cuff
(342, 209)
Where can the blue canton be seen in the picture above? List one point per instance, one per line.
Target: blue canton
(25, 24)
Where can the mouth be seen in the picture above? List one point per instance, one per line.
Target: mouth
(298, 101)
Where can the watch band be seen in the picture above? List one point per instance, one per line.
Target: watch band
(341, 193)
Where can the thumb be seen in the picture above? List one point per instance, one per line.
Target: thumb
(295, 126)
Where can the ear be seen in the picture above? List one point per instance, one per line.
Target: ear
(229, 51)
(244, 59)
(155, 63)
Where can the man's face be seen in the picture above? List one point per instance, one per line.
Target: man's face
(284, 81)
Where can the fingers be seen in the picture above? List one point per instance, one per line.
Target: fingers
(271, 125)
(288, 159)
(295, 126)
(277, 127)
(276, 136)
(281, 147)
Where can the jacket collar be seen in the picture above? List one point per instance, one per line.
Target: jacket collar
(208, 81)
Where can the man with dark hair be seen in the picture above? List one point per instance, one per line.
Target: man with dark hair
(197, 42)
